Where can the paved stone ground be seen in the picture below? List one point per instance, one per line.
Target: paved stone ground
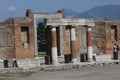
(105, 72)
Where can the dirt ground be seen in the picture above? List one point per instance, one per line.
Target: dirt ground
(106, 72)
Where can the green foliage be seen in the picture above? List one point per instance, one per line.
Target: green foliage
(41, 31)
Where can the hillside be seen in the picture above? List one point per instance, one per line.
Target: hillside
(112, 12)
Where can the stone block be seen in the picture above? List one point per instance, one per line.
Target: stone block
(103, 57)
(28, 63)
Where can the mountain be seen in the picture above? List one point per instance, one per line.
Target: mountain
(70, 13)
(111, 12)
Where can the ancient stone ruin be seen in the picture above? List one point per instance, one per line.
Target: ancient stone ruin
(65, 36)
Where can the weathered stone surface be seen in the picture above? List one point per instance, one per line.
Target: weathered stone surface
(1, 64)
(14, 44)
(11, 43)
(28, 63)
(104, 57)
(105, 34)
(57, 67)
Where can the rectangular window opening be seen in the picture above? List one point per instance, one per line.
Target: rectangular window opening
(114, 32)
(25, 37)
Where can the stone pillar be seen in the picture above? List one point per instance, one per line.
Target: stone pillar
(61, 39)
(54, 46)
(73, 45)
(89, 44)
(35, 38)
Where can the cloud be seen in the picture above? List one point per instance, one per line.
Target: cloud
(12, 8)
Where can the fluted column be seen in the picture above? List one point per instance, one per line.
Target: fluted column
(89, 44)
(54, 46)
(73, 45)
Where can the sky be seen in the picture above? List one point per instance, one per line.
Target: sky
(17, 8)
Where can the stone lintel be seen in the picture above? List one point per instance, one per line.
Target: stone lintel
(47, 15)
(73, 22)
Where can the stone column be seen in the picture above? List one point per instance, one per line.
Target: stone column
(73, 44)
(35, 38)
(54, 46)
(61, 39)
(89, 44)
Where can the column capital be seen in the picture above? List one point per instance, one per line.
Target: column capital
(87, 26)
(53, 26)
(71, 26)
(89, 29)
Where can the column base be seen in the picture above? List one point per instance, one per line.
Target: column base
(55, 62)
(74, 61)
(90, 60)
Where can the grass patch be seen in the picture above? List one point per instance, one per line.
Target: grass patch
(21, 74)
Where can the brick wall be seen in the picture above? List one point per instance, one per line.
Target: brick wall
(13, 46)
(105, 37)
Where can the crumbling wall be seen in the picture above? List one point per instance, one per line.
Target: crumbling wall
(81, 39)
(112, 35)
(24, 40)
(6, 39)
(105, 34)
(66, 40)
(99, 37)
(2, 41)
(17, 37)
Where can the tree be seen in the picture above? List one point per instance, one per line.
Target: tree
(41, 31)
